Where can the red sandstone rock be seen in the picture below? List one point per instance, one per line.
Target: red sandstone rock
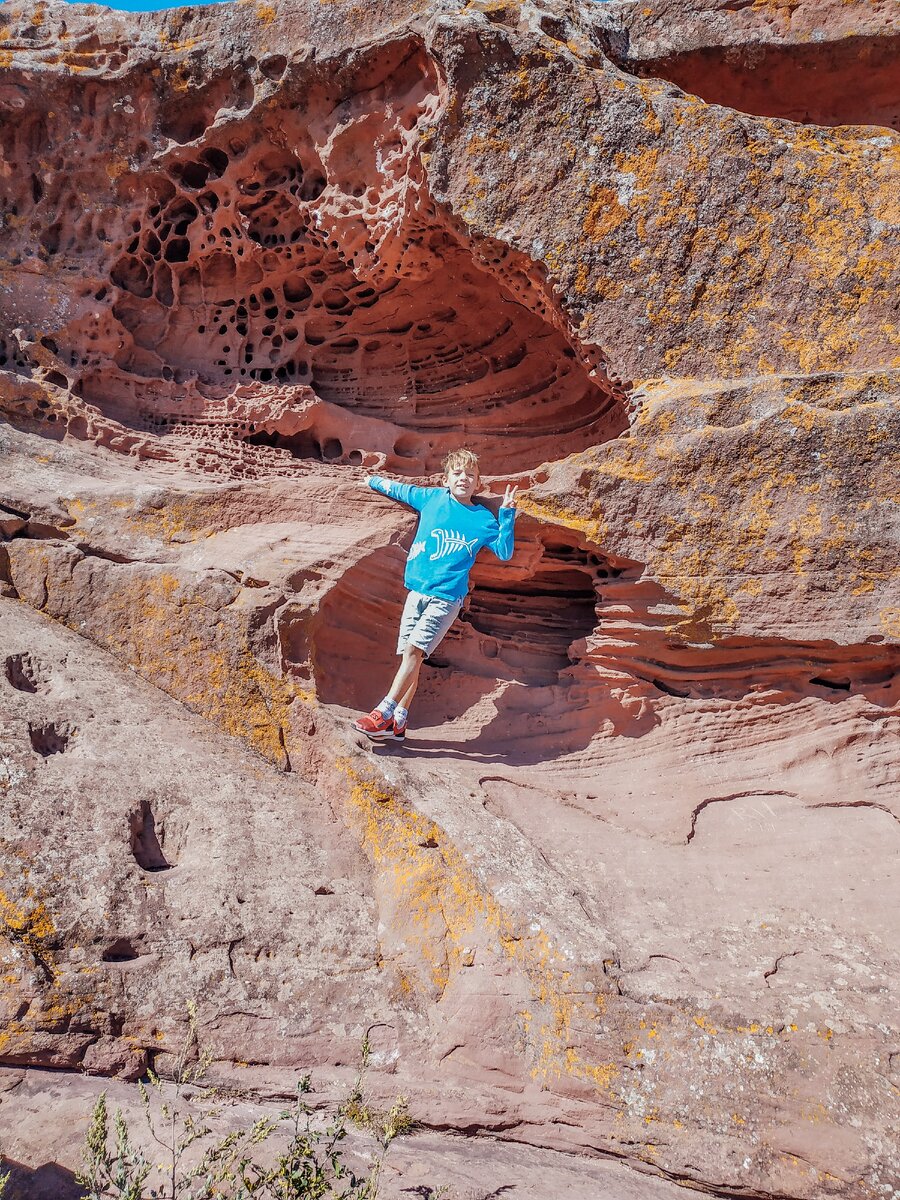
(628, 890)
(825, 62)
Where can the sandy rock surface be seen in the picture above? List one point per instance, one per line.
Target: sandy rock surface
(623, 911)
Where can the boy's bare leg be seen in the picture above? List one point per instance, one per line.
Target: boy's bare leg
(407, 678)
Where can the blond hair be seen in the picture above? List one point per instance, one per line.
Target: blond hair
(458, 459)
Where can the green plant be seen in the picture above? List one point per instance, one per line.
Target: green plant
(313, 1166)
(177, 1127)
(177, 1114)
(119, 1170)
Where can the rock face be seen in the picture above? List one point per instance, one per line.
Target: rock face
(825, 62)
(628, 890)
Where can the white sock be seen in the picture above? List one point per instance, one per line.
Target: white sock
(387, 706)
(401, 715)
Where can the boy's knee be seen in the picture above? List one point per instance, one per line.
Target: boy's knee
(414, 654)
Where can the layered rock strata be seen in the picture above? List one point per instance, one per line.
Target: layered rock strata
(628, 890)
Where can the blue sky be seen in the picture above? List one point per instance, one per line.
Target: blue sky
(152, 5)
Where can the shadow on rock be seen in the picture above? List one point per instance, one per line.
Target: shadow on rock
(47, 1182)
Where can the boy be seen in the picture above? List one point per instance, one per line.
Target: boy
(452, 529)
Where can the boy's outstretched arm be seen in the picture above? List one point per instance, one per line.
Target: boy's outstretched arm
(504, 542)
(406, 493)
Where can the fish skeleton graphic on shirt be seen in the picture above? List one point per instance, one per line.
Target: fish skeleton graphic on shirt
(450, 541)
(415, 550)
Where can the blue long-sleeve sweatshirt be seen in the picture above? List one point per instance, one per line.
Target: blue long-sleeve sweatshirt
(448, 537)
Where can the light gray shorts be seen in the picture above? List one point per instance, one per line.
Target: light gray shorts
(425, 620)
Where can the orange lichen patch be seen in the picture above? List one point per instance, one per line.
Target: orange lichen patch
(254, 703)
(116, 167)
(595, 528)
(168, 42)
(167, 643)
(265, 13)
(651, 121)
(479, 144)
(802, 529)
(691, 574)
(701, 563)
(52, 1011)
(850, 264)
(777, 8)
(604, 214)
(627, 463)
(187, 519)
(450, 911)
(644, 166)
(532, 78)
(608, 289)
(72, 64)
(178, 519)
(161, 627)
(703, 1023)
(6, 58)
(889, 619)
(716, 557)
(27, 923)
(840, 253)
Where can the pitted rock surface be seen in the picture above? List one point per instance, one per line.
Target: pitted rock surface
(629, 891)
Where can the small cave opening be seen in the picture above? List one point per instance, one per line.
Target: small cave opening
(527, 626)
(145, 839)
(525, 623)
(121, 950)
(848, 81)
(836, 685)
(303, 444)
(274, 66)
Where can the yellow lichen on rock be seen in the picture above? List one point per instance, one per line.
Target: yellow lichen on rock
(451, 912)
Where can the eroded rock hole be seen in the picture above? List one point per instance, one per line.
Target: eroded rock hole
(121, 950)
(301, 445)
(26, 673)
(145, 840)
(835, 685)
(50, 738)
(532, 623)
(274, 66)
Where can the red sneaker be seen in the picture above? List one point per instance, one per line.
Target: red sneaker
(375, 725)
(399, 733)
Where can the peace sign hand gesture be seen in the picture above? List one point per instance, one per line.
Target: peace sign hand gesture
(509, 496)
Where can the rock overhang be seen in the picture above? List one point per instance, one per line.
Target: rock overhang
(465, 175)
(817, 63)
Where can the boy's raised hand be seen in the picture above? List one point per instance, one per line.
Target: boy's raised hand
(509, 496)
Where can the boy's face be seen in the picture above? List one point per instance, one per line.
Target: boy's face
(462, 482)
